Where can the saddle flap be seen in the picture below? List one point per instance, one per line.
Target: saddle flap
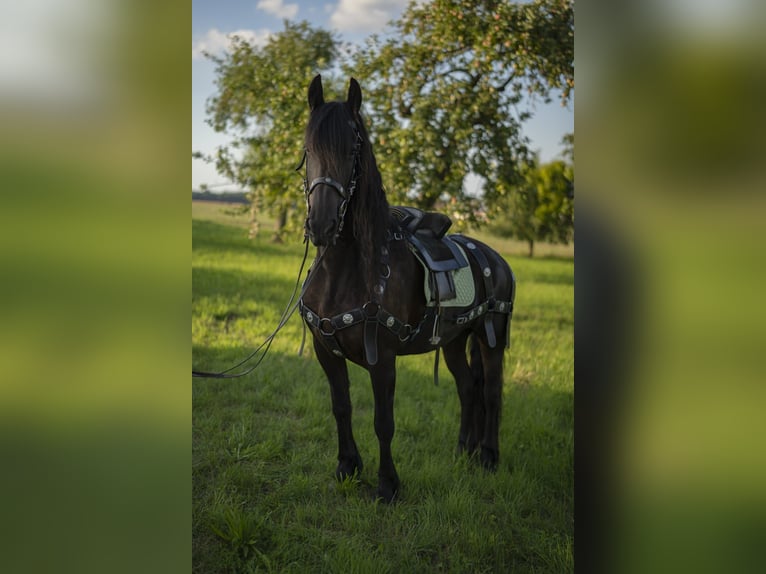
(437, 254)
(441, 258)
(442, 286)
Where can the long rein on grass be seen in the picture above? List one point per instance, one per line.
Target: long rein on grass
(263, 348)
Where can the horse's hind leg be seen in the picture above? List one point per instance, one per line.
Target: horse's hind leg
(349, 461)
(469, 391)
(492, 363)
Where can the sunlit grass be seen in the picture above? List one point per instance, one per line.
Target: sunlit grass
(264, 447)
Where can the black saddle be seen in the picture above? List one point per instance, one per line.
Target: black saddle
(425, 232)
(424, 223)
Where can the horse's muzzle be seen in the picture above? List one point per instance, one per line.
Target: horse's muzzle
(322, 234)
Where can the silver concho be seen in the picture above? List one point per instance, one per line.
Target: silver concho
(390, 322)
(348, 318)
(309, 316)
(487, 272)
(470, 245)
(337, 353)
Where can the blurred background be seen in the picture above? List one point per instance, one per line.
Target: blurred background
(94, 251)
(669, 121)
(94, 394)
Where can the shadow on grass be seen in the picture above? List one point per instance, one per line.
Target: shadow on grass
(535, 420)
(267, 443)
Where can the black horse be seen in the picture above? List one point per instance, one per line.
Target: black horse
(365, 299)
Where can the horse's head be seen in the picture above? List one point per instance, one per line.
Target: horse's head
(333, 147)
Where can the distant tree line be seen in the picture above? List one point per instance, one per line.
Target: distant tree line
(224, 197)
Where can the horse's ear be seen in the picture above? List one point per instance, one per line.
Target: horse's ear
(316, 94)
(354, 96)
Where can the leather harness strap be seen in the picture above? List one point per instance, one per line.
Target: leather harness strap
(372, 308)
(486, 272)
(373, 314)
(490, 304)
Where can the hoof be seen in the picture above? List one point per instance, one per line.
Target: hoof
(467, 446)
(387, 491)
(349, 467)
(489, 459)
(470, 452)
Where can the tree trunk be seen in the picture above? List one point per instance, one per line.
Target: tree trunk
(531, 243)
(254, 225)
(280, 226)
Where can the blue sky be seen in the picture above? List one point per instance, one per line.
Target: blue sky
(352, 20)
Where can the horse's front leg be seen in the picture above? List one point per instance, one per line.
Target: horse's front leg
(349, 461)
(383, 377)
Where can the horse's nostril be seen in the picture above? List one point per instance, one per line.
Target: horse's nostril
(321, 233)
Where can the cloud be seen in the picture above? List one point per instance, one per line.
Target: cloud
(278, 9)
(214, 41)
(366, 15)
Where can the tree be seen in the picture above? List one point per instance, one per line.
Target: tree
(568, 142)
(445, 94)
(542, 209)
(554, 183)
(260, 101)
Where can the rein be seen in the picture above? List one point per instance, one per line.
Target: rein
(292, 305)
(346, 194)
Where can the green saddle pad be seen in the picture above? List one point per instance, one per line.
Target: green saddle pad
(464, 286)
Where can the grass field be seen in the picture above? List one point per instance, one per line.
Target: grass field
(264, 446)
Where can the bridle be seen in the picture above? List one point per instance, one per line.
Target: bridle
(346, 193)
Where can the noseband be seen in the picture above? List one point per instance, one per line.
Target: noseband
(345, 193)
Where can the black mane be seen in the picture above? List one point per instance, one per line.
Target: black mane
(329, 135)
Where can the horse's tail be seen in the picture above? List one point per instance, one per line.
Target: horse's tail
(478, 415)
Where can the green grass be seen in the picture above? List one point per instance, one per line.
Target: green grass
(264, 446)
